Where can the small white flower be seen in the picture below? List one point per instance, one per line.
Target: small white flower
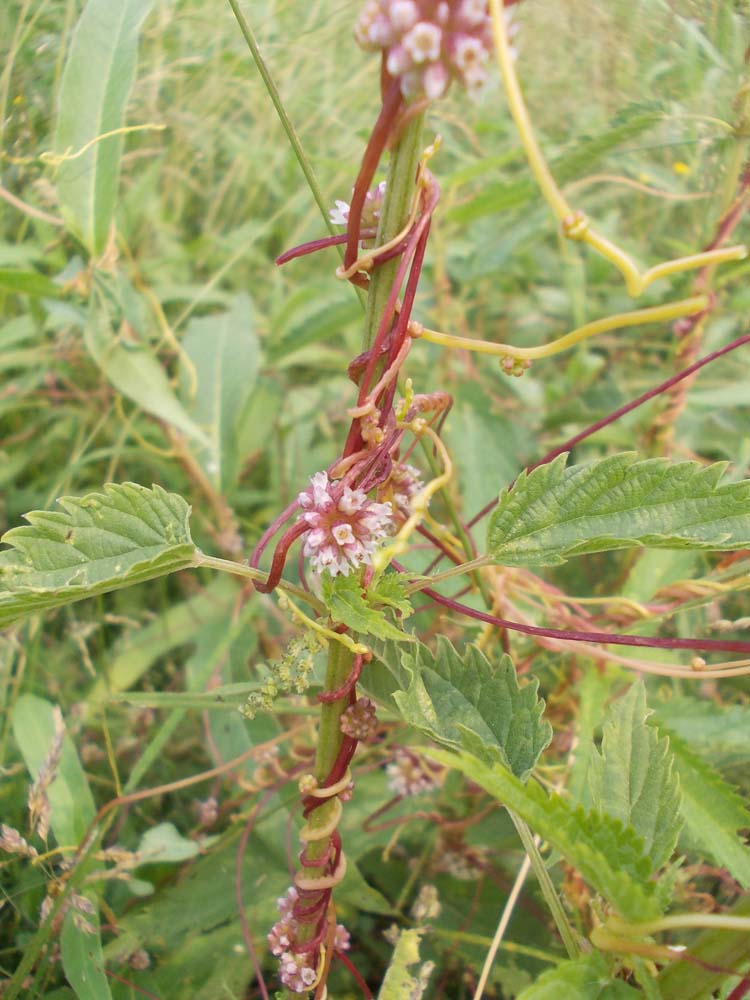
(399, 60)
(423, 42)
(342, 940)
(295, 972)
(469, 53)
(473, 12)
(339, 215)
(435, 80)
(404, 14)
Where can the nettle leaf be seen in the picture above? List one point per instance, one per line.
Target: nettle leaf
(96, 543)
(713, 812)
(392, 591)
(585, 978)
(610, 856)
(453, 697)
(347, 604)
(615, 503)
(633, 778)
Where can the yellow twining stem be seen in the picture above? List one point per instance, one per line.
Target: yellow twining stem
(327, 634)
(574, 224)
(383, 557)
(636, 317)
(55, 159)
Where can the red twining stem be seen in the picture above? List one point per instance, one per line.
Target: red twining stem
(373, 152)
(279, 556)
(606, 638)
(270, 531)
(413, 257)
(314, 245)
(347, 686)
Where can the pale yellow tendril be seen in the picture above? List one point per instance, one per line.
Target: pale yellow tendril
(55, 159)
(419, 501)
(574, 224)
(327, 634)
(636, 317)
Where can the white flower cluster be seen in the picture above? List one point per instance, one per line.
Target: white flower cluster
(345, 527)
(429, 43)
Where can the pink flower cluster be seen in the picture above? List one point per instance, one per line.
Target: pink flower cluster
(404, 482)
(345, 527)
(295, 970)
(429, 43)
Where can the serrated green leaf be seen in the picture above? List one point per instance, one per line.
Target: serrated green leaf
(615, 503)
(347, 604)
(452, 696)
(720, 729)
(400, 982)
(713, 812)
(609, 856)
(94, 90)
(391, 590)
(97, 543)
(632, 776)
(587, 978)
(225, 354)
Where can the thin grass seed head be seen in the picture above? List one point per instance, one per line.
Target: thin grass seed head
(38, 800)
(12, 842)
(428, 44)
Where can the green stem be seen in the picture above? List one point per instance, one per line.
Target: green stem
(545, 884)
(340, 662)
(394, 215)
(399, 192)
